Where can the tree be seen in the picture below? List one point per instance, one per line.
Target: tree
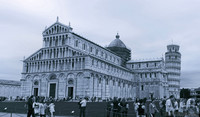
(185, 93)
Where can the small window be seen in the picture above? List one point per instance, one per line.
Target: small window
(92, 61)
(97, 51)
(70, 81)
(106, 81)
(91, 49)
(76, 43)
(142, 87)
(36, 83)
(84, 46)
(101, 54)
(72, 64)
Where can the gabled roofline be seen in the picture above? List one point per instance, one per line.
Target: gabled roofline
(57, 23)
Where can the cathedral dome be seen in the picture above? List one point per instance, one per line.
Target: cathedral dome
(117, 43)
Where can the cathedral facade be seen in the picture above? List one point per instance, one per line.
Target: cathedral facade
(69, 65)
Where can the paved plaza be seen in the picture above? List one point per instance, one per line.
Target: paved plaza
(3, 114)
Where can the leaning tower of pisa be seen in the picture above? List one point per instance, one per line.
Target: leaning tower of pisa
(173, 67)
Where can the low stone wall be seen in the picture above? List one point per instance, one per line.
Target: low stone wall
(94, 109)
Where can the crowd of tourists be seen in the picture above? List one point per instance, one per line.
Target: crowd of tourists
(41, 106)
(170, 107)
(117, 107)
(120, 107)
(38, 106)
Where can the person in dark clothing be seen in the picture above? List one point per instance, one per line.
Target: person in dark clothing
(124, 108)
(108, 107)
(119, 108)
(141, 109)
(30, 107)
(162, 106)
(115, 107)
(83, 104)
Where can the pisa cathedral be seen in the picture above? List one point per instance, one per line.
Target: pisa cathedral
(69, 65)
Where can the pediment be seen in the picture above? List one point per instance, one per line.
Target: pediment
(57, 28)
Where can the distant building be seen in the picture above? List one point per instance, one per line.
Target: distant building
(195, 92)
(69, 65)
(10, 88)
(150, 77)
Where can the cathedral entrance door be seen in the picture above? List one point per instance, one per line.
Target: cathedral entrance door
(35, 91)
(52, 90)
(70, 92)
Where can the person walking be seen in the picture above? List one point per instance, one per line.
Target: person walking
(176, 108)
(182, 107)
(136, 106)
(36, 106)
(42, 107)
(30, 107)
(162, 106)
(119, 108)
(115, 107)
(124, 107)
(192, 110)
(170, 106)
(108, 107)
(152, 109)
(83, 104)
(141, 109)
(52, 108)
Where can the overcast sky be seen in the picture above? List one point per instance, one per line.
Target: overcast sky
(145, 26)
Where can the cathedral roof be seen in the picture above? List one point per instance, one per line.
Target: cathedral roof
(145, 60)
(117, 43)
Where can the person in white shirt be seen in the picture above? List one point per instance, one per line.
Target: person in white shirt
(42, 107)
(182, 107)
(52, 108)
(176, 108)
(169, 106)
(83, 104)
(36, 107)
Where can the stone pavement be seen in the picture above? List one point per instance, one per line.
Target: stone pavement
(3, 114)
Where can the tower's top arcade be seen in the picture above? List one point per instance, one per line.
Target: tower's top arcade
(172, 48)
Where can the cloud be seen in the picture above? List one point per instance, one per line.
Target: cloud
(146, 27)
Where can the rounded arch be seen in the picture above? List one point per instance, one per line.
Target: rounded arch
(70, 75)
(52, 77)
(61, 76)
(36, 77)
(44, 76)
(80, 74)
(28, 77)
